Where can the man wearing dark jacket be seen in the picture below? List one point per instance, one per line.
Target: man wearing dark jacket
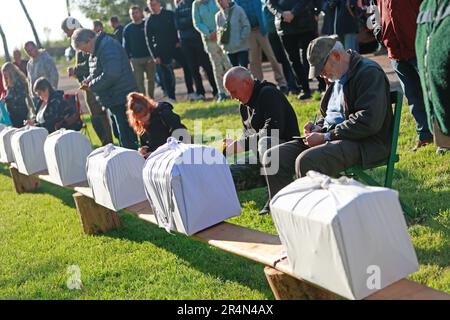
(267, 117)
(398, 34)
(110, 77)
(117, 27)
(162, 39)
(140, 56)
(355, 127)
(296, 24)
(80, 71)
(192, 47)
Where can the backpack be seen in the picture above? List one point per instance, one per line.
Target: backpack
(72, 113)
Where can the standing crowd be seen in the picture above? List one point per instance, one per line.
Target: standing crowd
(118, 73)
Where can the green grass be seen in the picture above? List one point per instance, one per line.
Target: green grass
(40, 234)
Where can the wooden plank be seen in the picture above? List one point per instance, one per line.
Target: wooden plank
(143, 211)
(408, 290)
(285, 287)
(23, 183)
(251, 244)
(95, 218)
(86, 191)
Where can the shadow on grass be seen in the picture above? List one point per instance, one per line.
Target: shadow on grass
(202, 257)
(64, 194)
(210, 111)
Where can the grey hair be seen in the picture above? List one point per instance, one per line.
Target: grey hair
(82, 36)
(237, 73)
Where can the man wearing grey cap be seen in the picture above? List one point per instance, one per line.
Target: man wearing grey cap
(355, 123)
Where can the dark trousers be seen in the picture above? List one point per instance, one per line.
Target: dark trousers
(197, 57)
(127, 137)
(284, 161)
(281, 57)
(182, 61)
(18, 116)
(408, 74)
(239, 58)
(293, 43)
(167, 77)
(99, 119)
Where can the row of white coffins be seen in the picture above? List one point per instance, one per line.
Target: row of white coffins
(344, 236)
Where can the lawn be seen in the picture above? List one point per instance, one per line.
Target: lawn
(41, 237)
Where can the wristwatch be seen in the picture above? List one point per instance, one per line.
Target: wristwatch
(327, 136)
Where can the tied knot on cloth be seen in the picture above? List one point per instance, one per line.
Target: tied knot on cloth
(108, 149)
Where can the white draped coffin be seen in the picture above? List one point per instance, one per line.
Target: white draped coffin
(189, 187)
(27, 144)
(115, 177)
(66, 152)
(6, 154)
(344, 236)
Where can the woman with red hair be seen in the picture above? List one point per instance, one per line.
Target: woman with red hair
(154, 122)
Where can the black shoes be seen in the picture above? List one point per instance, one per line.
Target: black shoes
(265, 210)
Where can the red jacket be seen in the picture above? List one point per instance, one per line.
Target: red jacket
(398, 23)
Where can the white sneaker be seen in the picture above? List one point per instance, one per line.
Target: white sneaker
(193, 96)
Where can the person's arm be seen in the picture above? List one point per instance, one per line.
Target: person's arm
(81, 69)
(372, 104)
(111, 72)
(173, 122)
(53, 114)
(197, 21)
(149, 38)
(274, 8)
(52, 72)
(126, 41)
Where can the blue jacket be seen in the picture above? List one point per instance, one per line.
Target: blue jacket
(255, 7)
(203, 17)
(111, 77)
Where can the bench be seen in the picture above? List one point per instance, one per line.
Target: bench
(257, 246)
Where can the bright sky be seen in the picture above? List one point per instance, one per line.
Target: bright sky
(45, 13)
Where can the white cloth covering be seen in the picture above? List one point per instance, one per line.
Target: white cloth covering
(190, 187)
(66, 152)
(6, 154)
(27, 144)
(115, 177)
(344, 236)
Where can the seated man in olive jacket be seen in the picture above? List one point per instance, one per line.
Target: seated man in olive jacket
(267, 117)
(355, 127)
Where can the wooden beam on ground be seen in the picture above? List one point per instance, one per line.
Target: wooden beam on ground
(23, 183)
(285, 287)
(95, 218)
(408, 290)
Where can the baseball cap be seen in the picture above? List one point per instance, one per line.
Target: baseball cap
(317, 54)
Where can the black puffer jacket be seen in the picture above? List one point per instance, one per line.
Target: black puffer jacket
(59, 114)
(163, 122)
(304, 16)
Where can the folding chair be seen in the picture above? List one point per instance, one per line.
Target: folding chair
(359, 172)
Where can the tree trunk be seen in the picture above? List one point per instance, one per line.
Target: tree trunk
(36, 37)
(68, 7)
(5, 45)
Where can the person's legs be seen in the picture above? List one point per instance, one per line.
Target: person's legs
(167, 80)
(220, 64)
(276, 67)
(150, 70)
(351, 41)
(138, 70)
(255, 55)
(234, 59)
(190, 53)
(409, 79)
(292, 45)
(280, 55)
(187, 73)
(279, 165)
(305, 39)
(329, 158)
(127, 137)
(99, 119)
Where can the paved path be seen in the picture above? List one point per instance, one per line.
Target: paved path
(71, 85)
